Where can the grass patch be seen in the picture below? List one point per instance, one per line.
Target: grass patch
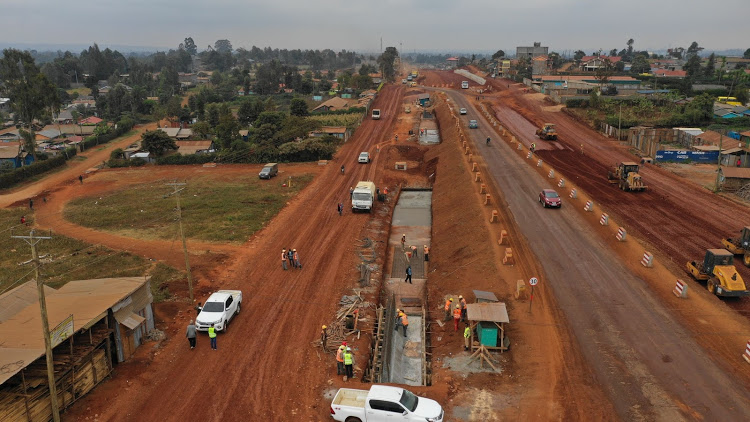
(65, 259)
(212, 210)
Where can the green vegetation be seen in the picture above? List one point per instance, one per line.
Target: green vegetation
(349, 120)
(65, 259)
(217, 211)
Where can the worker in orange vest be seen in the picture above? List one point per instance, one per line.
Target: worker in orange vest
(456, 317)
(462, 302)
(340, 370)
(448, 304)
(283, 259)
(426, 253)
(403, 321)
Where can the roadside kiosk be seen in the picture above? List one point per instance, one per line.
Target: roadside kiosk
(487, 322)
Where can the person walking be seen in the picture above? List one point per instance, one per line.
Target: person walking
(456, 317)
(403, 242)
(340, 370)
(191, 334)
(23, 219)
(31, 204)
(462, 302)
(408, 275)
(290, 257)
(426, 252)
(340, 208)
(348, 364)
(283, 259)
(80, 178)
(448, 304)
(295, 255)
(467, 337)
(212, 336)
(351, 192)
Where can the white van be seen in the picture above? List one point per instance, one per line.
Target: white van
(465, 85)
(376, 114)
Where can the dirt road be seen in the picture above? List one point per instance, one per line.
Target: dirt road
(73, 168)
(651, 366)
(265, 366)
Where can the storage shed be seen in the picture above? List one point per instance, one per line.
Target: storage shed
(487, 322)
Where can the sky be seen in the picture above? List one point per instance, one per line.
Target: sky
(410, 25)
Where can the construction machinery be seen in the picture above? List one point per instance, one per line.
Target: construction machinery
(626, 176)
(718, 270)
(739, 245)
(547, 132)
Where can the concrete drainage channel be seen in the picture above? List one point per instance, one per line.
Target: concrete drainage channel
(399, 358)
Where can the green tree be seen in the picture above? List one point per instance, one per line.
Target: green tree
(386, 62)
(740, 92)
(701, 109)
(746, 54)
(710, 65)
(693, 66)
(156, 142)
(189, 46)
(298, 107)
(630, 48)
(202, 130)
(694, 49)
(640, 65)
(212, 114)
(223, 46)
(228, 130)
(578, 55)
(498, 54)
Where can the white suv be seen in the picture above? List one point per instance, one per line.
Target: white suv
(364, 157)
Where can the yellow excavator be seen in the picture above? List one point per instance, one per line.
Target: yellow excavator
(547, 132)
(626, 176)
(717, 269)
(739, 245)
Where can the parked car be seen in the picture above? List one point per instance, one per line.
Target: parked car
(383, 403)
(462, 111)
(269, 170)
(549, 198)
(219, 309)
(407, 109)
(473, 124)
(403, 81)
(364, 157)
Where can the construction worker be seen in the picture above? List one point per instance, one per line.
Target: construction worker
(403, 242)
(533, 147)
(348, 364)
(324, 338)
(456, 317)
(340, 370)
(404, 322)
(290, 256)
(462, 302)
(414, 251)
(467, 336)
(212, 336)
(448, 304)
(398, 320)
(408, 275)
(191, 334)
(426, 253)
(296, 259)
(340, 208)
(283, 259)
(351, 192)
(80, 179)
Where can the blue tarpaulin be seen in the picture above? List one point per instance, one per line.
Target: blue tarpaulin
(679, 156)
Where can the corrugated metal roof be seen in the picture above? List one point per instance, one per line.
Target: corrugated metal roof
(11, 302)
(489, 296)
(21, 333)
(735, 172)
(493, 312)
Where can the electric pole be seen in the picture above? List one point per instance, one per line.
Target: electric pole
(32, 241)
(176, 194)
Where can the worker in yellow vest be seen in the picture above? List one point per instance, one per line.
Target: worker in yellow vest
(348, 364)
(467, 335)
(212, 336)
(448, 304)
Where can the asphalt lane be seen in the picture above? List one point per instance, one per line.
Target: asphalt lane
(650, 365)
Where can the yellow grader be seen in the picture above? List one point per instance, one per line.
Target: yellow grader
(626, 176)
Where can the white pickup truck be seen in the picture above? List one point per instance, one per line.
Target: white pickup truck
(219, 309)
(383, 403)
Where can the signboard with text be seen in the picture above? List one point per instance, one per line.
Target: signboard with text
(695, 156)
(62, 332)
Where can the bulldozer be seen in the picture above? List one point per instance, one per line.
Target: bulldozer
(626, 176)
(717, 269)
(739, 245)
(547, 132)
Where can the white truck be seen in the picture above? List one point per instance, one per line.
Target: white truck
(363, 196)
(383, 403)
(465, 85)
(376, 114)
(219, 309)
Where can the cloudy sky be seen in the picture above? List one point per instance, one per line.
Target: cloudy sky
(436, 25)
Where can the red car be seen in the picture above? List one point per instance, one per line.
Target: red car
(550, 198)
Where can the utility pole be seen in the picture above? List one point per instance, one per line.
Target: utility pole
(718, 163)
(619, 124)
(176, 194)
(32, 241)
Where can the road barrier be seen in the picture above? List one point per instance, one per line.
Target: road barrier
(574, 193)
(539, 163)
(604, 221)
(494, 217)
(551, 174)
(520, 290)
(621, 233)
(747, 352)
(508, 258)
(680, 289)
(467, 151)
(528, 155)
(503, 237)
(474, 166)
(487, 199)
(520, 147)
(471, 159)
(561, 183)
(648, 259)
(589, 206)
(482, 188)
(476, 177)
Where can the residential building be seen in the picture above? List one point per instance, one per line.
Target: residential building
(341, 132)
(531, 52)
(11, 154)
(335, 103)
(594, 63)
(540, 65)
(177, 132)
(195, 147)
(667, 73)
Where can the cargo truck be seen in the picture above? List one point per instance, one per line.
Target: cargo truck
(363, 196)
